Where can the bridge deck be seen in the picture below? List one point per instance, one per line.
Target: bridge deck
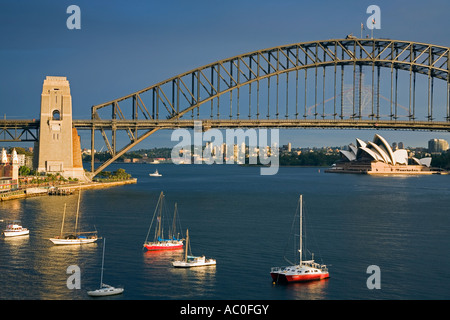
(271, 123)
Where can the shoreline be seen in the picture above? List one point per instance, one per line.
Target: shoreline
(44, 191)
(393, 173)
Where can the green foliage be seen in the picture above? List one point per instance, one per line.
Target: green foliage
(24, 171)
(441, 161)
(119, 174)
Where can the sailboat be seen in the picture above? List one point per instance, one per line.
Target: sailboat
(306, 270)
(192, 261)
(159, 243)
(104, 290)
(77, 237)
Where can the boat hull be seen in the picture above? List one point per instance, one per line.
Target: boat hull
(289, 278)
(167, 245)
(16, 233)
(184, 264)
(72, 241)
(105, 292)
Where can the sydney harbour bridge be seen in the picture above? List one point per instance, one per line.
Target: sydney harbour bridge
(338, 84)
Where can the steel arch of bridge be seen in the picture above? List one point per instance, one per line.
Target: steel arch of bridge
(198, 93)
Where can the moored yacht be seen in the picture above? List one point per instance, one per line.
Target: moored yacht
(76, 237)
(306, 270)
(192, 261)
(172, 242)
(105, 289)
(15, 229)
(155, 174)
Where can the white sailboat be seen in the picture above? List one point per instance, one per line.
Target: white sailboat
(104, 290)
(192, 261)
(306, 270)
(76, 237)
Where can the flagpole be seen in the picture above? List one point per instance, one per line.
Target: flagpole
(373, 26)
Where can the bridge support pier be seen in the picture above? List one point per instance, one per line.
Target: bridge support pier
(58, 149)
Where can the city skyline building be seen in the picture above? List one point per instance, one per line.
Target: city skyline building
(437, 145)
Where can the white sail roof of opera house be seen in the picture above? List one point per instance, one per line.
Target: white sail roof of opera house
(380, 150)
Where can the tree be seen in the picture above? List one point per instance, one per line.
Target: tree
(121, 174)
(24, 171)
(441, 161)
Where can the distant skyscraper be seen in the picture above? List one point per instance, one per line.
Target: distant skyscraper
(394, 146)
(437, 145)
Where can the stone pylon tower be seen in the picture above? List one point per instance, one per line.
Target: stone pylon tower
(58, 149)
(15, 166)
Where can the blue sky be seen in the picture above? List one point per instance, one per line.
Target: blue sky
(124, 46)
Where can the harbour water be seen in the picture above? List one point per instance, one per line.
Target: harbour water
(243, 220)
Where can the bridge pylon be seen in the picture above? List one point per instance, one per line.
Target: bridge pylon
(58, 149)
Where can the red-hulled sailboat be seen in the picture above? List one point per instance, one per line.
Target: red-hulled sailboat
(306, 270)
(173, 241)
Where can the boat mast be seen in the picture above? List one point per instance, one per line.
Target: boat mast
(62, 225)
(301, 233)
(103, 260)
(174, 226)
(159, 235)
(187, 245)
(154, 215)
(78, 209)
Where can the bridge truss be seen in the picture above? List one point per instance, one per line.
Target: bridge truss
(338, 83)
(320, 84)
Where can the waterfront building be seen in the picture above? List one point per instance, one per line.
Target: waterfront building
(377, 157)
(9, 171)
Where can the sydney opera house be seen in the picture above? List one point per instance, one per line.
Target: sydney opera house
(377, 157)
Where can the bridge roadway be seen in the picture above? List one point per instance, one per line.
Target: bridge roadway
(261, 123)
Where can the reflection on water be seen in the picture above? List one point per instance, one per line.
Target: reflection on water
(17, 240)
(14, 248)
(241, 219)
(58, 258)
(160, 259)
(32, 267)
(183, 283)
(312, 290)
